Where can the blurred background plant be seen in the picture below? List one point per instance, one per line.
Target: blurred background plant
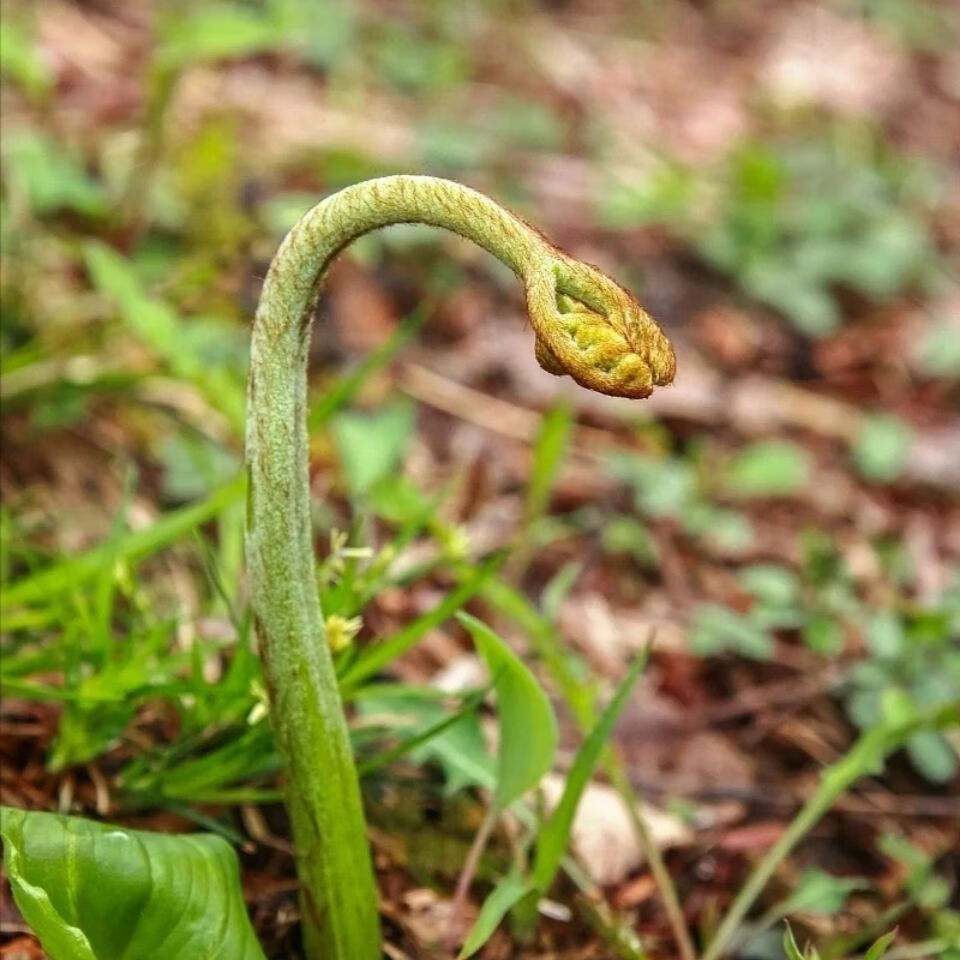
(777, 182)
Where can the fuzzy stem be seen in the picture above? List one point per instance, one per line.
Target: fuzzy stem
(586, 326)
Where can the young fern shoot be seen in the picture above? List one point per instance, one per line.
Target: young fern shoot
(586, 326)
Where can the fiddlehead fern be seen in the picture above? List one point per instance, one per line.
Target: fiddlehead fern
(586, 326)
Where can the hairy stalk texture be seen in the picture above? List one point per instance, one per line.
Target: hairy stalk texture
(585, 325)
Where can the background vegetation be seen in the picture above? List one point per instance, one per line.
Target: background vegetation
(777, 181)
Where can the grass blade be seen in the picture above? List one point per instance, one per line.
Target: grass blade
(555, 834)
(68, 574)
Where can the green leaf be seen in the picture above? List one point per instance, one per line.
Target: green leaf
(884, 635)
(186, 347)
(194, 464)
(454, 742)
(665, 195)
(555, 834)
(790, 947)
(20, 61)
(51, 176)
(937, 353)
(553, 440)
(509, 891)
(881, 946)
(527, 124)
(933, 756)
(716, 628)
(662, 488)
(558, 589)
(452, 146)
(114, 276)
(726, 530)
(772, 584)
(92, 891)
(823, 634)
(623, 534)
(528, 727)
(769, 468)
(819, 892)
(371, 446)
(809, 307)
(793, 951)
(217, 32)
(881, 448)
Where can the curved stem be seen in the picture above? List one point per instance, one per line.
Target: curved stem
(586, 326)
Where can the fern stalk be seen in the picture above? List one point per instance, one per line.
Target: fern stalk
(585, 325)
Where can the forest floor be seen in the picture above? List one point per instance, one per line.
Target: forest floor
(777, 182)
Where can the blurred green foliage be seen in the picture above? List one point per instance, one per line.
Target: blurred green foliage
(795, 222)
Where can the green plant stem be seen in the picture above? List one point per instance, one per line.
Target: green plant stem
(658, 868)
(468, 872)
(550, 649)
(586, 326)
(865, 756)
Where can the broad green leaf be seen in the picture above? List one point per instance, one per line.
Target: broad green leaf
(528, 727)
(527, 123)
(809, 306)
(452, 146)
(666, 194)
(568, 671)
(194, 464)
(431, 733)
(508, 892)
(555, 834)
(728, 530)
(92, 891)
